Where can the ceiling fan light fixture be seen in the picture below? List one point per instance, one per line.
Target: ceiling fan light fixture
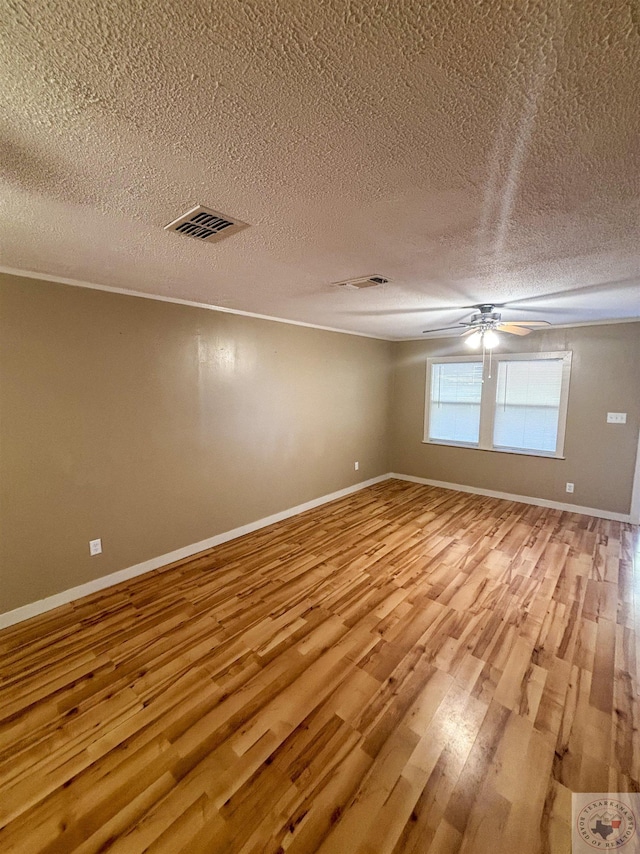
(474, 340)
(490, 339)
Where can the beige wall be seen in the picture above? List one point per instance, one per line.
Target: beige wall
(154, 426)
(600, 457)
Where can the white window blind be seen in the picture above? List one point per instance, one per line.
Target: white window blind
(518, 407)
(455, 395)
(527, 407)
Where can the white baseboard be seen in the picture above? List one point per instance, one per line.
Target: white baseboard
(10, 618)
(523, 499)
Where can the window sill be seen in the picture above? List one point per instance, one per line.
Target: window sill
(471, 447)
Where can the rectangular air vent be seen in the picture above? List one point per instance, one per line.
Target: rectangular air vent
(205, 224)
(364, 282)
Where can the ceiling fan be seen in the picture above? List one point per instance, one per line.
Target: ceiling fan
(483, 326)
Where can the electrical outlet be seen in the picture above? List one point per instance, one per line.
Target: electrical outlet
(356, 466)
(616, 417)
(95, 547)
(569, 487)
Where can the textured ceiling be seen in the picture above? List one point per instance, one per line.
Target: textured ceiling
(469, 151)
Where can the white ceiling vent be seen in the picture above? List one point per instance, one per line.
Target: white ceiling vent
(364, 282)
(205, 224)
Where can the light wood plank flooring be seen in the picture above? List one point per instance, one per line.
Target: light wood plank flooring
(405, 670)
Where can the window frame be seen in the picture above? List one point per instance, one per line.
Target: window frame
(488, 400)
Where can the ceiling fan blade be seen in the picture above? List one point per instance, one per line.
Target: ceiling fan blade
(529, 322)
(442, 328)
(512, 329)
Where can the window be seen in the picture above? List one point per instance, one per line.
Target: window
(518, 406)
(456, 390)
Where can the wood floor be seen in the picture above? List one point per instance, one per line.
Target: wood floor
(405, 670)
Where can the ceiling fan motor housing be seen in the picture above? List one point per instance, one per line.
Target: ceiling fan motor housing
(487, 316)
